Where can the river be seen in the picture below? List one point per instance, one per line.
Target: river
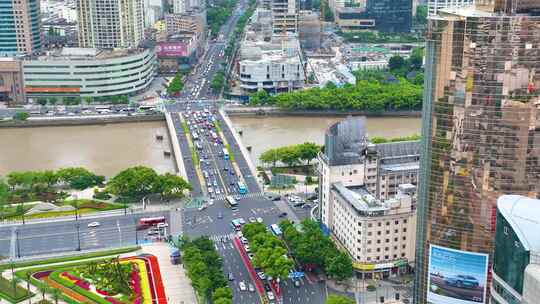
(104, 149)
(108, 149)
(263, 133)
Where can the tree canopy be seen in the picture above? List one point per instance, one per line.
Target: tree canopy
(139, 181)
(79, 178)
(176, 85)
(337, 299)
(291, 155)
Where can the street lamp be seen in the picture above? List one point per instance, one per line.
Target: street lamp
(77, 225)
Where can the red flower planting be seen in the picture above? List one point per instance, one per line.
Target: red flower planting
(136, 286)
(113, 300)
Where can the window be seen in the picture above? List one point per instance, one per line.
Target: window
(386, 248)
(404, 238)
(368, 258)
(378, 249)
(404, 229)
(395, 247)
(386, 257)
(379, 224)
(378, 233)
(396, 222)
(378, 241)
(387, 223)
(387, 231)
(403, 246)
(405, 221)
(387, 240)
(403, 254)
(369, 242)
(360, 224)
(378, 258)
(369, 233)
(506, 230)
(395, 256)
(359, 232)
(395, 239)
(369, 225)
(369, 250)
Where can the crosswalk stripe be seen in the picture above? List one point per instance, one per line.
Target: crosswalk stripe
(221, 197)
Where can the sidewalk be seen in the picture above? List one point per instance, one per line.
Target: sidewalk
(177, 285)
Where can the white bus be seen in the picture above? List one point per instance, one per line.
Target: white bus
(231, 202)
(103, 109)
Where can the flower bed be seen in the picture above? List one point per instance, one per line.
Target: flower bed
(78, 285)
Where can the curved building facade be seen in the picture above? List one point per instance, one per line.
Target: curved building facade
(89, 73)
(481, 139)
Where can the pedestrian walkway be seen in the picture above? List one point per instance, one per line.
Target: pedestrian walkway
(221, 197)
(177, 285)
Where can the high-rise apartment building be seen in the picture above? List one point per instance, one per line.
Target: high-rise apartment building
(285, 16)
(481, 139)
(108, 24)
(20, 23)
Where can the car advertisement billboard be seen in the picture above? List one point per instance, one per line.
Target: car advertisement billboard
(456, 277)
(171, 49)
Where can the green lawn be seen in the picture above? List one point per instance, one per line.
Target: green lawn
(86, 206)
(231, 155)
(9, 293)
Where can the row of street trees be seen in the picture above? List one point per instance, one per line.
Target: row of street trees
(291, 155)
(204, 268)
(114, 99)
(313, 249)
(270, 253)
(134, 183)
(218, 13)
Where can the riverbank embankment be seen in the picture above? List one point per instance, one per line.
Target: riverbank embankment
(275, 111)
(79, 120)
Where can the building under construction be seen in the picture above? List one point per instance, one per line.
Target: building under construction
(309, 30)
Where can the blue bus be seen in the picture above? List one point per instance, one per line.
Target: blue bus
(241, 188)
(275, 229)
(225, 153)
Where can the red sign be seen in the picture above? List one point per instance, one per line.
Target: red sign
(171, 49)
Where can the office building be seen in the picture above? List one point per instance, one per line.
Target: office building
(381, 15)
(21, 27)
(481, 138)
(516, 255)
(11, 81)
(285, 16)
(108, 24)
(79, 72)
(435, 5)
(369, 187)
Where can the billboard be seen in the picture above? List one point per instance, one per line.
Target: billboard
(171, 49)
(456, 277)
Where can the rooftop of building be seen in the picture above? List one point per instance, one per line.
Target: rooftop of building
(398, 149)
(523, 214)
(364, 202)
(68, 53)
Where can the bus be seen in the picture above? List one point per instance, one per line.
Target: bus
(241, 188)
(145, 222)
(147, 108)
(274, 228)
(231, 202)
(103, 109)
(225, 154)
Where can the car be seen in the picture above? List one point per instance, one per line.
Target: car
(296, 283)
(241, 221)
(218, 191)
(270, 295)
(223, 239)
(252, 220)
(261, 275)
(230, 276)
(202, 207)
(239, 234)
(461, 281)
(283, 214)
(251, 256)
(162, 225)
(246, 247)
(153, 231)
(93, 224)
(220, 215)
(242, 286)
(211, 202)
(243, 240)
(260, 220)
(251, 288)
(215, 183)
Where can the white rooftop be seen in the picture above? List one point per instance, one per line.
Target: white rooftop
(523, 214)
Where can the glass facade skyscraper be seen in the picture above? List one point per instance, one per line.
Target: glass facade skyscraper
(20, 24)
(481, 139)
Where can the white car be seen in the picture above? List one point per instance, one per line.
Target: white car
(259, 220)
(201, 208)
(242, 286)
(211, 202)
(162, 225)
(270, 295)
(93, 224)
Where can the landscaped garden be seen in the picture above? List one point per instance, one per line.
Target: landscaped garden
(99, 280)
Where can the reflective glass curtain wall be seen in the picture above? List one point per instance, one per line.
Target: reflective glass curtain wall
(481, 129)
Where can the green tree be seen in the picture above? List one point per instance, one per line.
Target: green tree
(133, 183)
(4, 192)
(52, 100)
(56, 295)
(88, 99)
(396, 62)
(79, 178)
(21, 116)
(222, 292)
(416, 59)
(421, 14)
(223, 301)
(176, 85)
(339, 266)
(171, 186)
(42, 101)
(308, 151)
(337, 299)
(217, 82)
(271, 156)
(289, 155)
(250, 230)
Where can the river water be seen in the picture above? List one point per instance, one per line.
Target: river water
(104, 149)
(263, 133)
(108, 149)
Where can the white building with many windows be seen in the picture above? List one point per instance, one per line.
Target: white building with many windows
(356, 175)
(80, 72)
